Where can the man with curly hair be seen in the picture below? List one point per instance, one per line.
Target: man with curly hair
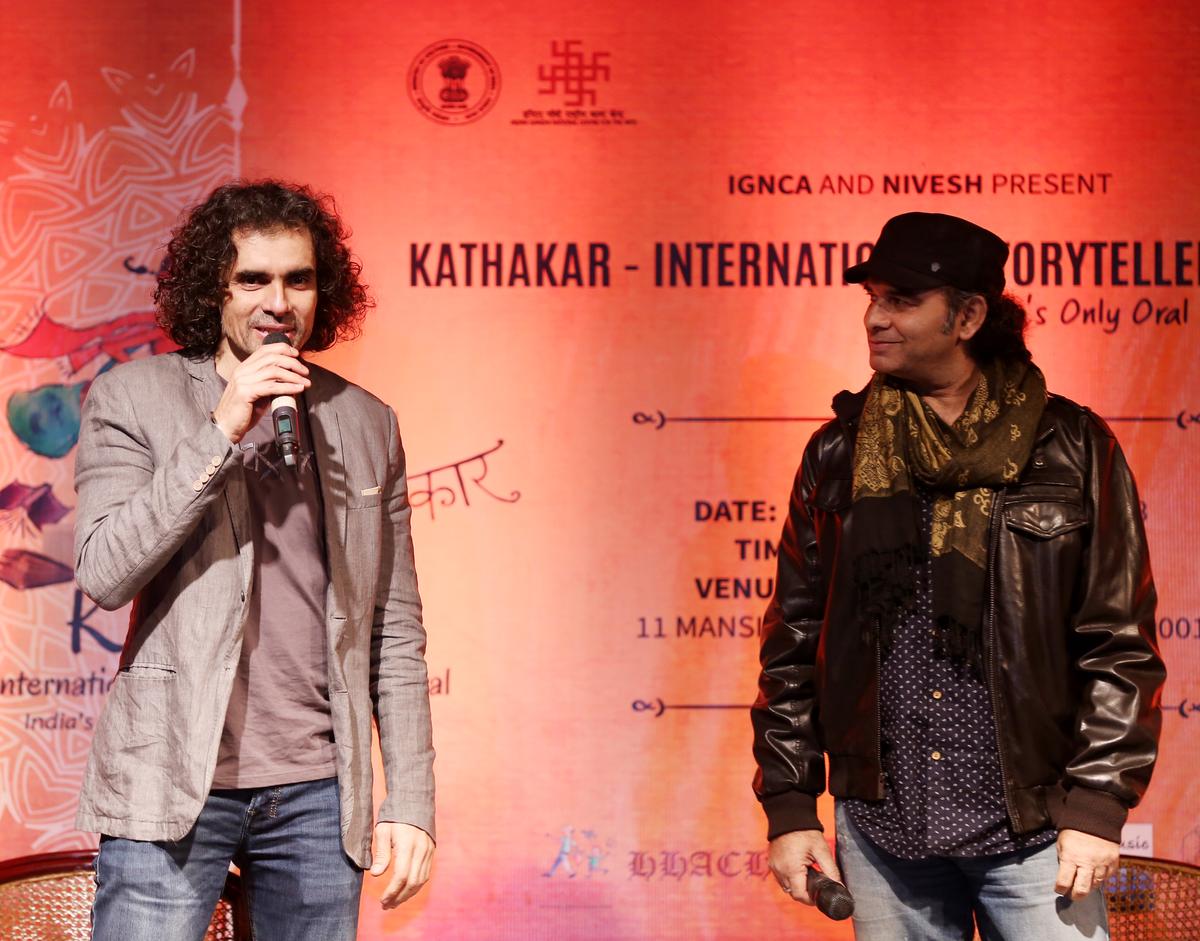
(275, 605)
(963, 622)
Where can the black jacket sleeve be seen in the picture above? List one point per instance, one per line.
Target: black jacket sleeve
(791, 764)
(1113, 637)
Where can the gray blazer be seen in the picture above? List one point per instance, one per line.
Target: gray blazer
(163, 520)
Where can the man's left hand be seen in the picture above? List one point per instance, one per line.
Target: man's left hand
(409, 851)
(1084, 862)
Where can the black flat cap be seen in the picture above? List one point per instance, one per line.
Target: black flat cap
(923, 250)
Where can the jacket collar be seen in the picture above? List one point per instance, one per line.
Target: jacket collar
(848, 406)
(206, 386)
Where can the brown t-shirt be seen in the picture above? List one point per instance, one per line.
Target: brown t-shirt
(278, 728)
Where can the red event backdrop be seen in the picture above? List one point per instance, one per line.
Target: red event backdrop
(604, 242)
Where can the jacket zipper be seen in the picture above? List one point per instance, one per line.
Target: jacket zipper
(993, 667)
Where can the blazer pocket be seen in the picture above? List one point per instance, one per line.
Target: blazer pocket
(147, 671)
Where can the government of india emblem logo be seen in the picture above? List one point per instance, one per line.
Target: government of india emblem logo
(454, 81)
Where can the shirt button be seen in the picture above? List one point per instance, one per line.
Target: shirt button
(937, 694)
(936, 756)
(197, 485)
(216, 460)
(1039, 461)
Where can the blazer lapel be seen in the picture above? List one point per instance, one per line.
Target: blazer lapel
(206, 387)
(331, 469)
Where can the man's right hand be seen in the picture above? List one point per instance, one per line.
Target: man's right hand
(790, 856)
(273, 369)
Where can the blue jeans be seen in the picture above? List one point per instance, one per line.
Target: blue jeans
(287, 840)
(1011, 896)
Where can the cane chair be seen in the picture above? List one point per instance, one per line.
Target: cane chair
(1153, 900)
(49, 898)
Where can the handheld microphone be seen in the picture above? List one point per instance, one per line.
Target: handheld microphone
(284, 416)
(833, 900)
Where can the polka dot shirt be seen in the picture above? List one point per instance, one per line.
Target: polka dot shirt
(942, 781)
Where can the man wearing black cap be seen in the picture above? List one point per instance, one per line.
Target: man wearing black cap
(963, 622)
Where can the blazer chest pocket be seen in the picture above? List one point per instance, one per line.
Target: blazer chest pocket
(364, 500)
(1045, 510)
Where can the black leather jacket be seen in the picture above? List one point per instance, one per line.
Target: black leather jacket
(1070, 657)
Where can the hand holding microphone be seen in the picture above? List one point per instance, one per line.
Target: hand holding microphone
(794, 858)
(274, 370)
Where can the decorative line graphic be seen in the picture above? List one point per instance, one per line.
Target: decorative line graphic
(1184, 418)
(1185, 707)
(423, 495)
(656, 707)
(574, 75)
(658, 419)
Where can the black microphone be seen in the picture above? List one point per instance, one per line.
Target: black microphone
(284, 416)
(833, 900)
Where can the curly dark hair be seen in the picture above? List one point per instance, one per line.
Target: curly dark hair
(1002, 336)
(191, 286)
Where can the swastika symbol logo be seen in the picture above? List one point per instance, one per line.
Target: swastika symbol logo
(573, 74)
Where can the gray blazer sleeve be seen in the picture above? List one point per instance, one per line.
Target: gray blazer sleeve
(135, 507)
(399, 679)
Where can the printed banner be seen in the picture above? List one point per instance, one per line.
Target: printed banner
(608, 248)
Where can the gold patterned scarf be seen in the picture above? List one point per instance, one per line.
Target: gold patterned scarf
(903, 445)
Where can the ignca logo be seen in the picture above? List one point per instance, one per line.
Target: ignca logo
(454, 81)
(573, 74)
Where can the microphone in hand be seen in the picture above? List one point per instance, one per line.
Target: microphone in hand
(284, 416)
(833, 900)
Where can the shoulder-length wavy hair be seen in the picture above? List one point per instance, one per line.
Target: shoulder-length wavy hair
(191, 285)
(1002, 335)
